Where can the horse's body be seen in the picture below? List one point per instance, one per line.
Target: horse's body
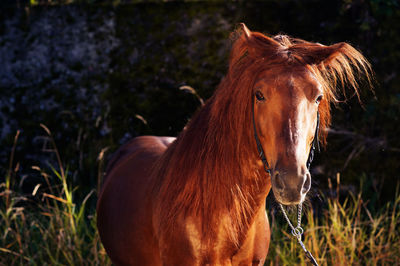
(133, 235)
(200, 199)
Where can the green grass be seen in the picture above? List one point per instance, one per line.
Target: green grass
(51, 227)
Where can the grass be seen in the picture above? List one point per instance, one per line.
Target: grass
(50, 226)
(346, 234)
(47, 227)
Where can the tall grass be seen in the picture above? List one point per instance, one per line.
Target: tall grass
(47, 227)
(51, 227)
(346, 234)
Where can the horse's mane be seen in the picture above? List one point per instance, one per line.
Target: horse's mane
(211, 168)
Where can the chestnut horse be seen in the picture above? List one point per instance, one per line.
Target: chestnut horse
(199, 199)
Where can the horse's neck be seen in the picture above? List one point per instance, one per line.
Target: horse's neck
(211, 173)
(208, 179)
(213, 152)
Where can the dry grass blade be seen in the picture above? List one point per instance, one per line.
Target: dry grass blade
(100, 167)
(10, 169)
(14, 253)
(100, 157)
(36, 189)
(45, 129)
(192, 91)
(56, 198)
(141, 118)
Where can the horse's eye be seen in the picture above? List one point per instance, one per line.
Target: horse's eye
(260, 96)
(319, 99)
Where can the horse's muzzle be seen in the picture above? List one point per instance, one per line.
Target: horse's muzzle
(290, 187)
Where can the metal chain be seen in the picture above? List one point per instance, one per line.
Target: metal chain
(295, 230)
(298, 231)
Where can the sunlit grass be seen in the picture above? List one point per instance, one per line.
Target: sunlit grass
(57, 230)
(50, 226)
(346, 234)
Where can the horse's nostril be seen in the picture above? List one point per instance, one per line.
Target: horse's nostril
(279, 185)
(307, 184)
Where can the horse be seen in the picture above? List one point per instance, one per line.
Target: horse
(199, 199)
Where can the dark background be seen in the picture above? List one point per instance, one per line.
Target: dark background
(87, 70)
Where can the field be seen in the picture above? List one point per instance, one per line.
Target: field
(52, 227)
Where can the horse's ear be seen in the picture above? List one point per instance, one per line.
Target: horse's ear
(314, 53)
(339, 63)
(246, 31)
(325, 54)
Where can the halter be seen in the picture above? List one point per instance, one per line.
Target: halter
(298, 230)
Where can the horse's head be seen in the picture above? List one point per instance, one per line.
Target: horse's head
(286, 101)
(294, 83)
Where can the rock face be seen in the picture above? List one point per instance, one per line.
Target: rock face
(50, 59)
(89, 73)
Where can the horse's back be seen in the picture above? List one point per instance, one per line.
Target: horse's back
(123, 210)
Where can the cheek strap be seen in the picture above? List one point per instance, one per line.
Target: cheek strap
(315, 144)
(260, 149)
